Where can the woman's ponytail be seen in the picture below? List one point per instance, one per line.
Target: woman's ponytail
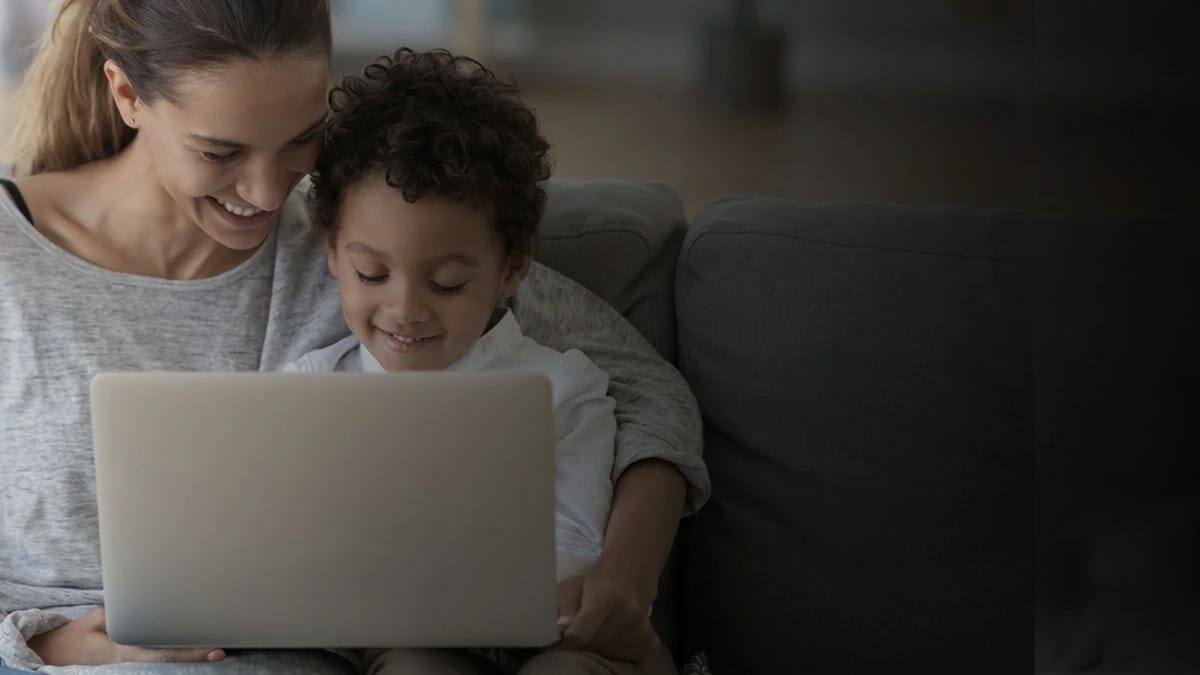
(65, 113)
(65, 116)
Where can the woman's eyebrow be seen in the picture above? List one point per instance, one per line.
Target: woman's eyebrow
(235, 145)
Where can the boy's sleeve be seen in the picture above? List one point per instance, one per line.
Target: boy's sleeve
(585, 431)
(300, 365)
(657, 415)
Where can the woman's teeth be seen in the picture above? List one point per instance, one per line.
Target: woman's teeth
(243, 211)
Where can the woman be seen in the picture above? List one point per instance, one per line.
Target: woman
(160, 228)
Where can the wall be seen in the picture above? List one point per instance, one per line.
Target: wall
(1084, 50)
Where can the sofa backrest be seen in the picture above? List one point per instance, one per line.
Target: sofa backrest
(865, 376)
(897, 399)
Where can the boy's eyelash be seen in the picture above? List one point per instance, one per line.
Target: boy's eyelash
(446, 290)
(436, 287)
(371, 280)
(218, 159)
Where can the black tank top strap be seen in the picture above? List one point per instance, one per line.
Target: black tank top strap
(15, 193)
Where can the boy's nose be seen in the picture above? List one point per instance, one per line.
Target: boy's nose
(408, 311)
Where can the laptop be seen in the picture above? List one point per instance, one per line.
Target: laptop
(252, 510)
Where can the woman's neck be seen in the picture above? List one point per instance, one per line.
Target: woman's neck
(122, 218)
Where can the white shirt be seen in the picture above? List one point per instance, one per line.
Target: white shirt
(585, 427)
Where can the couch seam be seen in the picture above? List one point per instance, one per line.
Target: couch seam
(589, 233)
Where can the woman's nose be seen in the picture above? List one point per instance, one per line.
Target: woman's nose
(265, 185)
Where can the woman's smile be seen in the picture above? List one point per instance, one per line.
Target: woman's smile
(239, 216)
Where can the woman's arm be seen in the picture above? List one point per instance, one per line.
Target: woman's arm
(657, 415)
(647, 505)
(56, 641)
(18, 627)
(607, 609)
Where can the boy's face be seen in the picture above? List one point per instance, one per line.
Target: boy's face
(420, 281)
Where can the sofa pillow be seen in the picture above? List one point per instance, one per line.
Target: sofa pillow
(865, 372)
(620, 239)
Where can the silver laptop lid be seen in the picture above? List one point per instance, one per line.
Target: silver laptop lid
(339, 510)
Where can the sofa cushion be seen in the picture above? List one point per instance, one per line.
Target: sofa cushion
(931, 429)
(866, 377)
(621, 240)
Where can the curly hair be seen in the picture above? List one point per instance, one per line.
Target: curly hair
(435, 123)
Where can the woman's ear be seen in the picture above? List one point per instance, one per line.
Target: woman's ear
(123, 93)
(515, 269)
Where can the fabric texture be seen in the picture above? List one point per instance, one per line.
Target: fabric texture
(620, 240)
(62, 320)
(866, 374)
(584, 425)
(929, 428)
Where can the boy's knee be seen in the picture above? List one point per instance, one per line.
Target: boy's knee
(404, 661)
(562, 662)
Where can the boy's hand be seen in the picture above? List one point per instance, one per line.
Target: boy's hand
(85, 642)
(600, 614)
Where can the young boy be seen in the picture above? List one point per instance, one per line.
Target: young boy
(428, 189)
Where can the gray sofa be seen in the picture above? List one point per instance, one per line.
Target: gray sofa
(926, 427)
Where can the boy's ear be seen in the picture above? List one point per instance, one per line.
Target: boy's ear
(515, 269)
(331, 256)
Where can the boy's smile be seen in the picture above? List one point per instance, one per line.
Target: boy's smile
(420, 280)
(408, 345)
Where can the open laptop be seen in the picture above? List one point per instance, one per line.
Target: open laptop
(340, 510)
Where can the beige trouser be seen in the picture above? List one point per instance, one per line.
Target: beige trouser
(456, 662)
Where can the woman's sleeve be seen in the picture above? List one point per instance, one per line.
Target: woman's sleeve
(657, 415)
(15, 631)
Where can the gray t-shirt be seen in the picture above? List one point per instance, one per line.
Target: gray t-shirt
(63, 319)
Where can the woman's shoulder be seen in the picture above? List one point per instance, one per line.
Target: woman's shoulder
(297, 230)
(46, 194)
(305, 312)
(60, 190)
(32, 211)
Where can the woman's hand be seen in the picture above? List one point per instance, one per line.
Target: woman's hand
(85, 642)
(603, 614)
(607, 610)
